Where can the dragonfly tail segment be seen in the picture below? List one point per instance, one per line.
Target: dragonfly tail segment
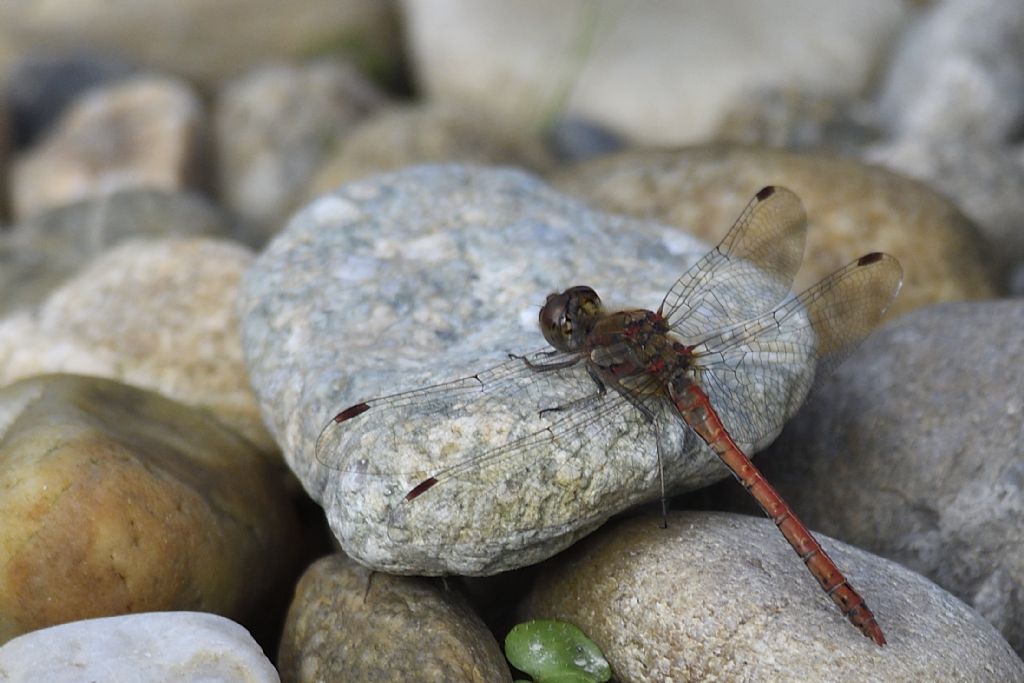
(697, 411)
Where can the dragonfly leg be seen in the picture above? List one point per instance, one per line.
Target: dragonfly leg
(590, 398)
(369, 583)
(545, 367)
(661, 478)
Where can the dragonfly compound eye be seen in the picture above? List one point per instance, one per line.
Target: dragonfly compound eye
(567, 318)
(554, 323)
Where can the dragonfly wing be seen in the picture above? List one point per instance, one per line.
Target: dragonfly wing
(748, 273)
(506, 381)
(494, 459)
(758, 373)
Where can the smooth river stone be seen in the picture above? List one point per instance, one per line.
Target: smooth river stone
(118, 500)
(723, 597)
(156, 647)
(348, 623)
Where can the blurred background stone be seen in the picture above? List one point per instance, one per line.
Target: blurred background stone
(5, 147)
(799, 121)
(205, 41)
(655, 73)
(985, 180)
(155, 314)
(275, 126)
(852, 209)
(574, 139)
(41, 85)
(142, 132)
(394, 137)
(39, 253)
(958, 74)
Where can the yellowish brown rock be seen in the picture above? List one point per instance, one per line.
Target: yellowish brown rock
(428, 133)
(155, 314)
(117, 500)
(852, 209)
(350, 624)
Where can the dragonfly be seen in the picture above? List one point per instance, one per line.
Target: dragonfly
(727, 346)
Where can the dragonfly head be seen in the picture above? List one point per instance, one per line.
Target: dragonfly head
(567, 319)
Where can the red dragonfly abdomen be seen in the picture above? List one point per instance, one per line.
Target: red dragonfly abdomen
(695, 407)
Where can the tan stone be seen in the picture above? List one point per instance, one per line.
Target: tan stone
(117, 500)
(154, 314)
(430, 133)
(348, 623)
(852, 209)
(141, 132)
(722, 597)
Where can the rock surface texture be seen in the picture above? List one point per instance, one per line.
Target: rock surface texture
(348, 623)
(720, 597)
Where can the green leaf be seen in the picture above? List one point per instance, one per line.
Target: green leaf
(555, 652)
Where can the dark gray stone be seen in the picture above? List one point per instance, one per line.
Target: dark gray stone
(914, 450)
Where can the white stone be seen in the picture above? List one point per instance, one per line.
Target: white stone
(659, 73)
(155, 647)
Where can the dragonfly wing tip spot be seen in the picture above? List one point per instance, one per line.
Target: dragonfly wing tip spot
(420, 488)
(351, 411)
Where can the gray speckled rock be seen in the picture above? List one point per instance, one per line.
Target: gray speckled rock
(433, 273)
(923, 430)
(719, 597)
(959, 73)
(157, 647)
(350, 624)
